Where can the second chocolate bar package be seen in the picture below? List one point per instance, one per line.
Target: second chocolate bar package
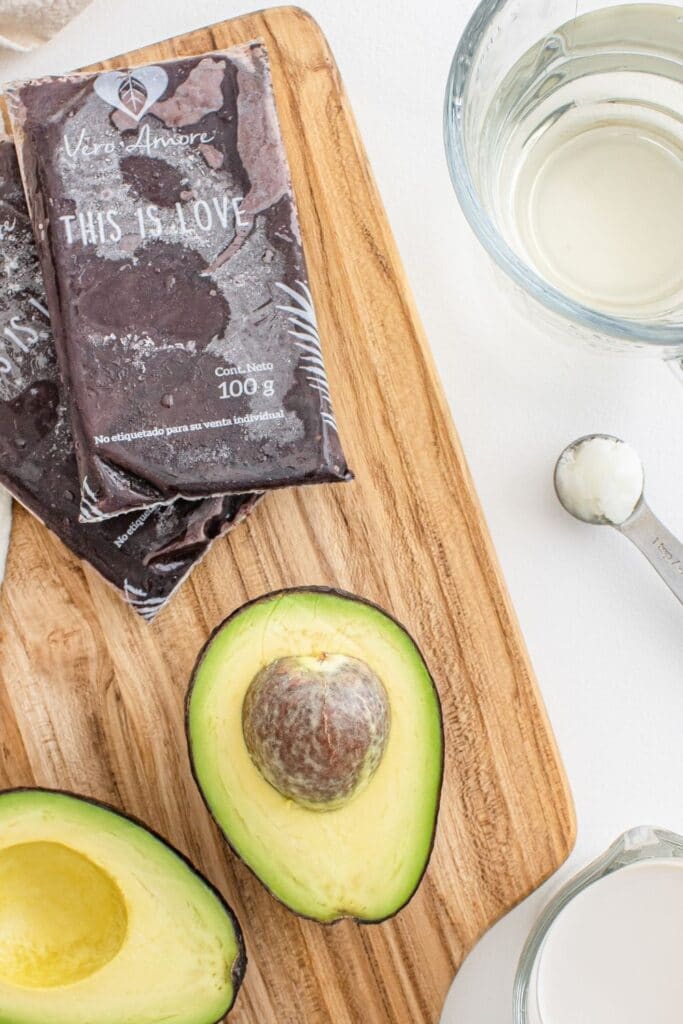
(177, 285)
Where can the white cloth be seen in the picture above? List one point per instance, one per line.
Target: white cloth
(25, 24)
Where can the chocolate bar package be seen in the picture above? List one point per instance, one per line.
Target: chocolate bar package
(168, 233)
(144, 555)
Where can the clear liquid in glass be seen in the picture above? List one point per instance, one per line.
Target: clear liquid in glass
(581, 160)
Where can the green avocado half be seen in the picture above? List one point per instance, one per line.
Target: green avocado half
(101, 922)
(316, 738)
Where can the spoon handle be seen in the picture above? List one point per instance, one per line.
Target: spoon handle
(662, 550)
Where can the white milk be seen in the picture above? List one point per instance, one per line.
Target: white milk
(614, 955)
(584, 159)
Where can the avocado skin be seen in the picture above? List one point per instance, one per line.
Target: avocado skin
(240, 966)
(335, 592)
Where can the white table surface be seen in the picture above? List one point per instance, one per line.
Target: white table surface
(605, 635)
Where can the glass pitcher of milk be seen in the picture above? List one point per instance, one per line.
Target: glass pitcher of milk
(609, 946)
(564, 135)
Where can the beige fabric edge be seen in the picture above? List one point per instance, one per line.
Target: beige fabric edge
(26, 24)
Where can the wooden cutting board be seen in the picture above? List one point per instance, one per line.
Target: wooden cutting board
(91, 698)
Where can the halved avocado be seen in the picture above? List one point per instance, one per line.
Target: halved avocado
(316, 738)
(101, 922)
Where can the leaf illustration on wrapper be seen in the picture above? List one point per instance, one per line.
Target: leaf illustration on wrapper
(304, 329)
(142, 603)
(132, 94)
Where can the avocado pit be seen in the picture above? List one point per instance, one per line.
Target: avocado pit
(316, 727)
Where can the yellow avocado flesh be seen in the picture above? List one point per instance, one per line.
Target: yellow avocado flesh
(365, 858)
(102, 923)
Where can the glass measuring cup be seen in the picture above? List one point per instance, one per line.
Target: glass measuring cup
(632, 69)
(645, 847)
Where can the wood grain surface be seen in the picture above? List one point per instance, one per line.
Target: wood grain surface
(91, 698)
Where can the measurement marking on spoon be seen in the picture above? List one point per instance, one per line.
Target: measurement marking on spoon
(668, 556)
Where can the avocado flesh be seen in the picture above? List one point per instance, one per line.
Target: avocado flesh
(102, 923)
(366, 858)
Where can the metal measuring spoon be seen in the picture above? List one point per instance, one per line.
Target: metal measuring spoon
(662, 550)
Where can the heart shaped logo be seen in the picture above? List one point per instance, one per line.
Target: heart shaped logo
(132, 92)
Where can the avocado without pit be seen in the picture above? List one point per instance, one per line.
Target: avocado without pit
(102, 922)
(316, 739)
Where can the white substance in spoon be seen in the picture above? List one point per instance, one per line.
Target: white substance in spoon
(614, 953)
(5, 528)
(600, 479)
